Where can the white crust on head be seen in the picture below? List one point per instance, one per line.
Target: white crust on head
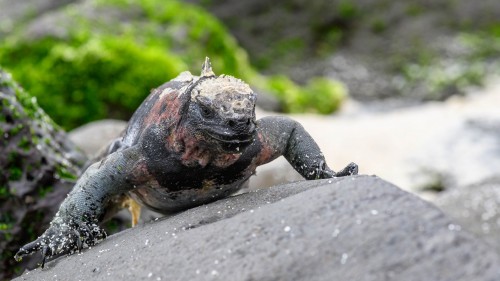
(224, 84)
(184, 76)
(165, 91)
(230, 96)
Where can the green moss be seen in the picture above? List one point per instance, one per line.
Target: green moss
(319, 95)
(284, 48)
(44, 190)
(15, 130)
(25, 144)
(8, 236)
(104, 76)
(64, 173)
(11, 157)
(445, 77)
(105, 71)
(414, 9)
(333, 38)
(378, 25)
(111, 226)
(347, 10)
(485, 45)
(5, 226)
(4, 192)
(6, 221)
(28, 103)
(15, 173)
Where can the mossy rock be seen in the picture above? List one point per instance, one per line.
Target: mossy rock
(99, 59)
(38, 165)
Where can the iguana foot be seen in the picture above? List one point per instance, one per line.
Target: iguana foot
(349, 170)
(322, 172)
(134, 208)
(62, 239)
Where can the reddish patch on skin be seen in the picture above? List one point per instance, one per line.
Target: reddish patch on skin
(181, 141)
(225, 160)
(196, 154)
(166, 108)
(193, 152)
(140, 173)
(266, 154)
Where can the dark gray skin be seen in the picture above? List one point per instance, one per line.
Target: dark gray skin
(194, 140)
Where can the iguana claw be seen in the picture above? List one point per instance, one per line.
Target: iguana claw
(62, 239)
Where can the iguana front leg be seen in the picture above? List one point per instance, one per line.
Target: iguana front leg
(76, 222)
(283, 136)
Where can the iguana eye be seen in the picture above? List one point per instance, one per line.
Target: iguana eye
(206, 112)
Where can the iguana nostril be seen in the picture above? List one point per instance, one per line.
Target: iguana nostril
(240, 124)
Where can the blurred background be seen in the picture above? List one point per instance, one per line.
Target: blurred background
(409, 90)
(89, 60)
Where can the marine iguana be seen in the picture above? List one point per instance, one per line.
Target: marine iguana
(194, 140)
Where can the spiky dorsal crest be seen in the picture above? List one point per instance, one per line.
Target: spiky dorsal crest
(206, 69)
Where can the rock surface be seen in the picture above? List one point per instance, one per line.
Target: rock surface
(439, 146)
(94, 136)
(354, 228)
(476, 208)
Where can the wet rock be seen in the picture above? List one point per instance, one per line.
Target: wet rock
(354, 228)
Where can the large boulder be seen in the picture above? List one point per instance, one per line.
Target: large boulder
(352, 228)
(94, 136)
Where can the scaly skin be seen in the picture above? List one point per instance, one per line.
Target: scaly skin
(194, 140)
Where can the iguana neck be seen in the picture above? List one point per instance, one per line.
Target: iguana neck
(194, 150)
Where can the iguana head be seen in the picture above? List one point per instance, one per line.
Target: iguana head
(222, 110)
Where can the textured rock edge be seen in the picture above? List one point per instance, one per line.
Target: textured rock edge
(358, 228)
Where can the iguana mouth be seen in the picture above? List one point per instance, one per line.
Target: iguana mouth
(244, 139)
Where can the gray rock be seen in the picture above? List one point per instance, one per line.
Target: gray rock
(92, 137)
(15, 13)
(354, 228)
(476, 208)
